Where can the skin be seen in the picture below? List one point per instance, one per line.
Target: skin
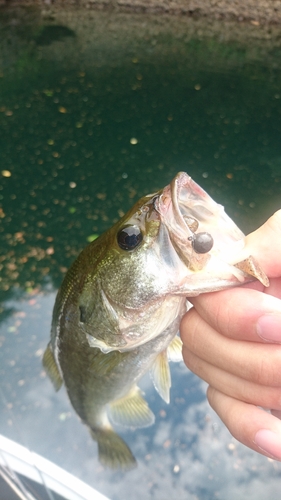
(232, 340)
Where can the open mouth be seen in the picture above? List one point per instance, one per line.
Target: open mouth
(173, 206)
(176, 207)
(199, 228)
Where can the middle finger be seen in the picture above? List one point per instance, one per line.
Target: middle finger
(253, 361)
(233, 385)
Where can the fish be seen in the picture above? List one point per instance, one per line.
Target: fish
(118, 310)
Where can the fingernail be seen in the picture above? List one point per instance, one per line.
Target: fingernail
(269, 442)
(269, 328)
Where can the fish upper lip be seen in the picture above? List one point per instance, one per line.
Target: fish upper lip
(169, 209)
(182, 199)
(181, 180)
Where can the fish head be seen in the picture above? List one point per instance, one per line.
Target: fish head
(182, 232)
(203, 236)
(177, 242)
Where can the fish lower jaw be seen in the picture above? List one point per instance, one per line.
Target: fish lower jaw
(222, 270)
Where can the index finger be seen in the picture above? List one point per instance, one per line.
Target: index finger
(236, 313)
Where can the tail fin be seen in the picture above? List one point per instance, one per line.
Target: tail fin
(113, 451)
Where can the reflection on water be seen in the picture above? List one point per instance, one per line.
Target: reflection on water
(89, 123)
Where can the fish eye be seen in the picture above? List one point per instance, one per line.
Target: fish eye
(201, 242)
(129, 237)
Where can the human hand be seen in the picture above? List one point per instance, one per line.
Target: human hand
(232, 340)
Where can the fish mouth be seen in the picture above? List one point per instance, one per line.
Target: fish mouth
(189, 215)
(170, 207)
(183, 207)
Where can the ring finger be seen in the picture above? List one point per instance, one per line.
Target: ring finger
(233, 385)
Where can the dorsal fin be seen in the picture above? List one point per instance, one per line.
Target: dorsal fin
(51, 368)
(131, 410)
(160, 373)
(174, 350)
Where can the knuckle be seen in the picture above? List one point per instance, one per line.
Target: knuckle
(224, 319)
(268, 370)
(190, 360)
(190, 329)
(274, 399)
(211, 395)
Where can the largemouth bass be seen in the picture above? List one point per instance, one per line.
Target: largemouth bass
(118, 310)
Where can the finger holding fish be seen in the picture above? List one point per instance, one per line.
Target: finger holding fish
(232, 340)
(238, 401)
(252, 312)
(243, 313)
(234, 385)
(249, 424)
(256, 362)
(265, 245)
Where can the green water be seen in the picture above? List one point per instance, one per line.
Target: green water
(88, 129)
(64, 126)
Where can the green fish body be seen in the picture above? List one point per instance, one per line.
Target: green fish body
(118, 310)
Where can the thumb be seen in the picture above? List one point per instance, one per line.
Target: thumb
(264, 245)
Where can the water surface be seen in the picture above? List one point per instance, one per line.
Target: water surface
(90, 123)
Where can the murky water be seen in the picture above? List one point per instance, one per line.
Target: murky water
(88, 125)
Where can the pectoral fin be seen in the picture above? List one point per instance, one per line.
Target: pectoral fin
(131, 410)
(251, 267)
(103, 364)
(161, 376)
(51, 368)
(174, 351)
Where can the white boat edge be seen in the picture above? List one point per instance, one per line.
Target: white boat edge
(23, 461)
